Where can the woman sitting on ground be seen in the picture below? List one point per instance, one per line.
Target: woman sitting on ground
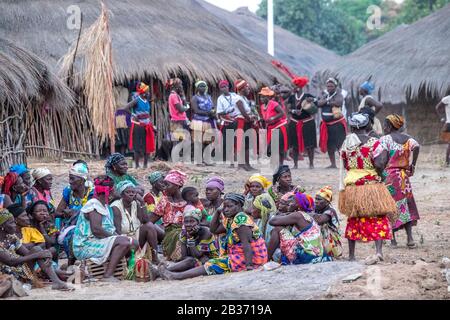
(17, 260)
(22, 170)
(131, 219)
(15, 188)
(214, 191)
(42, 222)
(170, 208)
(41, 190)
(255, 186)
(191, 196)
(29, 235)
(153, 197)
(198, 244)
(300, 239)
(263, 209)
(95, 237)
(117, 169)
(326, 217)
(282, 183)
(242, 246)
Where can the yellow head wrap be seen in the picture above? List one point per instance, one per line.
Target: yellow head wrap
(260, 179)
(326, 193)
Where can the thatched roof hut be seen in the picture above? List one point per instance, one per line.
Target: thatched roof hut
(406, 63)
(150, 38)
(25, 83)
(303, 56)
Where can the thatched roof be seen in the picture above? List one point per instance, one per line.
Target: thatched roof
(149, 37)
(405, 62)
(303, 56)
(25, 77)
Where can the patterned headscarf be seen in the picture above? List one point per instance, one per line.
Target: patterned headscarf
(155, 177)
(201, 82)
(142, 88)
(5, 215)
(240, 84)
(326, 193)
(103, 185)
(176, 177)
(287, 196)
(358, 120)
(236, 197)
(39, 173)
(19, 169)
(305, 202)
(191, 211)
(281, 169)
(122, 185)
(113, 159)
(368, 86)
(216, 182)
(396, 120)
(9, 181)
(300, 81)
(80, 170)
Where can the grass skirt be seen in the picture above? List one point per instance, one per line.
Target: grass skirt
(370, 200)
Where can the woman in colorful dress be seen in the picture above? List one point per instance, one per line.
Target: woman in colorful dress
(326, 217)
(302, 125)
(18, 261)
(198, 244)
(274, 117)
(263, 209)
(153, 197)
(41, 190)
(16, 189)
(242, 247)
(398, 154)
(363, 198)
(131, 219)
(215, 187)
(282, 183)
(116, 168)
(300, 238)
(333, 127)
(95, 237)
(255, 186)
(22, 170)
(203, 124)
(170, 208)
(142, 132)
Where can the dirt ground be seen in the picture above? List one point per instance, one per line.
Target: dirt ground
(405, 273)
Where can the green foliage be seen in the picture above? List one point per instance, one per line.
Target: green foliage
(340, 25)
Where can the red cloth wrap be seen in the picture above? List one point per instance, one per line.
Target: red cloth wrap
(149, 137)
(283, 131)
(323, 143)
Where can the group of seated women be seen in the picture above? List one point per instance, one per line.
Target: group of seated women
(112, 218)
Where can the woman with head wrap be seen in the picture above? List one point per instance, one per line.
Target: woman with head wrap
(255, 186)
(179, 124)
(142, 131)
(282, 183)
(363, 198)
(170, 208)
(365, 91)
(397, 154)
(18, 261)
(198, 244)
(274, 117)
(333, 128)
(245, 120)
(302, 127)
(153, 197)
(22, 170)
(203, 124)
(117, 169)
(41, 190)
(17, 191)
(215, 187)
(95, 237)
(131, 219)
(300, 239)
(326, 217)
(242, 245)
(264, 208)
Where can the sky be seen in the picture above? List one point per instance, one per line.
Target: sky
(232, 5)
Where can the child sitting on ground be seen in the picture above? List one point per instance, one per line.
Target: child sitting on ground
(191, 196)
(327, 219)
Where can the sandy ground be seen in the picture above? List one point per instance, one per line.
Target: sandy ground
(405, 273)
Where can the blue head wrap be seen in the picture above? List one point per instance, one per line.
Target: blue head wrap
(368, 86)
(19, 169)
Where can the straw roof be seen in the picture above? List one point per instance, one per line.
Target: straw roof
(25, 77)
(149, 37)
(303, 56)
(404, 63)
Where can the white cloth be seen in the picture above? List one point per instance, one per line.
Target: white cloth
(246, 104)
(227, 104)
(96, 205)
(446, 101)
(130, 222)
(40, 173)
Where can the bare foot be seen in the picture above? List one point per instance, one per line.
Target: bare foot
(154, 272)
(61, 286)
(411, 244)
(110, 279)
(164, 273)
(393, 243)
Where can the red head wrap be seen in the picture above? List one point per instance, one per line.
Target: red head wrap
(240, 84)
(300, 81)
(223, 83)
(9, 181)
